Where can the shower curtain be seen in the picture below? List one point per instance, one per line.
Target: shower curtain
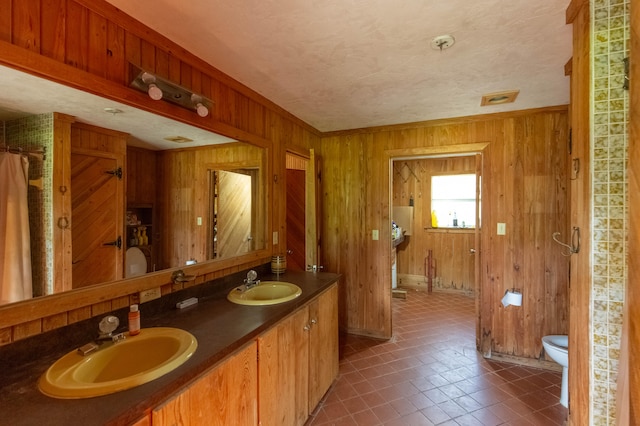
(15, 250)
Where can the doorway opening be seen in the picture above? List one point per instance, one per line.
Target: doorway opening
(440, 254)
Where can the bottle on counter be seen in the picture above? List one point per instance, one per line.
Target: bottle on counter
(455, 220)
(134, 320)
(434, 219)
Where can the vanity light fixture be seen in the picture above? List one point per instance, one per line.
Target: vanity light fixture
(159, 88)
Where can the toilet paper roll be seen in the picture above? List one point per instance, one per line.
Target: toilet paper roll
(512, 298)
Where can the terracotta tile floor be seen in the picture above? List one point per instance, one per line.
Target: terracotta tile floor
(429, 373)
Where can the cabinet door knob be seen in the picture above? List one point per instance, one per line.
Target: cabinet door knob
(314, 321)
(306, 327)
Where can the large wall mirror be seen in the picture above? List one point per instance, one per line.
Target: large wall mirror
(187, 195)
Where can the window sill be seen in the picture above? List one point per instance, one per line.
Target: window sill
(445, 230)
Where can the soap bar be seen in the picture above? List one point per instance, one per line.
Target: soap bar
(186, 303)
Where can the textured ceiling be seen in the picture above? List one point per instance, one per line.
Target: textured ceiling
(344, 64)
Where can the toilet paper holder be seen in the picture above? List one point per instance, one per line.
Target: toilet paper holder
(512, 296)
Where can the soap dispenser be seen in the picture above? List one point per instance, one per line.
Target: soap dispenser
(134, 320)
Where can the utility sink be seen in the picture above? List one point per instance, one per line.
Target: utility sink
(118, 366)
(265, 293)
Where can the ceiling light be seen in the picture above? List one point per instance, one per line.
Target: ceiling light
(159, 88)
(178, 139)
(499, 98)
(113, 111)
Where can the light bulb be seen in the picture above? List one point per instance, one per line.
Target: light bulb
(155, 92)
(202, 110)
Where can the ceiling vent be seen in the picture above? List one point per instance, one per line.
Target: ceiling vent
(499, 98)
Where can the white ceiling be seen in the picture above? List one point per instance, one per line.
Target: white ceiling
(344, 64)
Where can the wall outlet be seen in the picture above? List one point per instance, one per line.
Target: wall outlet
(375, 235)
(274, 238)
(199, 220)
(151, 294)
(502, 228)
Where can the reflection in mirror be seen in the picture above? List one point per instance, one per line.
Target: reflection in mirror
(215, 207)
(27, 101)
(232, 214)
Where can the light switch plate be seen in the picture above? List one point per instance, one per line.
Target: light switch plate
(274, 238)
(199, 221)
(375, 235)
(502, 228)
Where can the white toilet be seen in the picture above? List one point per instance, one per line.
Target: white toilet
(557, 347)
(135, 263)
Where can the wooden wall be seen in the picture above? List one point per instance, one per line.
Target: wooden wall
(450, 247)
(580, 355)
(525, 186)
(90, 45)
(183, 176)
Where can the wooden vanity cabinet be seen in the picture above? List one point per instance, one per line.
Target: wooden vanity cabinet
(225, 395)
(298, 361)
(323, 344)
(278, 379)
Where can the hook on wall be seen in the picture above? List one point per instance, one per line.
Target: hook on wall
(575, 242)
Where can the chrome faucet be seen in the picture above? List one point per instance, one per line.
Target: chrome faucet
(107, 326)
(251, 280)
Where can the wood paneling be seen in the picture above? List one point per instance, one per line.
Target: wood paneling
(141, 176)
(357, 200)
(184, 177)
(580, 205)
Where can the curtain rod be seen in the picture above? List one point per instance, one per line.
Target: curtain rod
(34, 152)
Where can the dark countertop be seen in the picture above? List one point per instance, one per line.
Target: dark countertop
(221, 327)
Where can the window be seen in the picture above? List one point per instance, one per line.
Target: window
(453, 199)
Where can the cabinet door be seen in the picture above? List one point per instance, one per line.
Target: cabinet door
(225, 395)
(323, 345)
(283, 356)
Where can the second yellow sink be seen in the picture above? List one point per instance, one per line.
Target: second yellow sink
(119, 366)
(265, 293)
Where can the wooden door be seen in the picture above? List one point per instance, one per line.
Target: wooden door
(283, 365)
(234, 214)
(225, 395)
(323, 344)
(296, 220)
(314, 209)
(96, 217)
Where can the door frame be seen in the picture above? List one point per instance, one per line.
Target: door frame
(483, 294)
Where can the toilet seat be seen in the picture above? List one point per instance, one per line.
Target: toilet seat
(135, 262)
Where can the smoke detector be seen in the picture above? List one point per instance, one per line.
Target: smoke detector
(442, 42)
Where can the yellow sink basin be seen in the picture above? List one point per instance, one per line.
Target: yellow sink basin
(118, 366)
(265, 293)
